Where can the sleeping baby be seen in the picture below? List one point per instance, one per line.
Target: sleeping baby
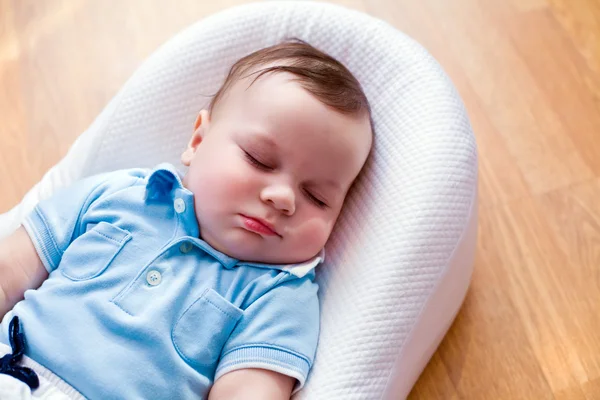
(148, 284)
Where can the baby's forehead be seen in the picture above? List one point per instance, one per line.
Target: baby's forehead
(272, 89)
(254, 81)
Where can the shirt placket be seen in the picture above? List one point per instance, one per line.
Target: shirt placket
(154, 281)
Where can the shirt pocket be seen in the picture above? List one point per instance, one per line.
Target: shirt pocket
(202, 330)
(90, 254)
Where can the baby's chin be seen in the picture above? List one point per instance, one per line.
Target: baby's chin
(247, 246)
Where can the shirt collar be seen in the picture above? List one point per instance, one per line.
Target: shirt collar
(298, 269)
(162, 180)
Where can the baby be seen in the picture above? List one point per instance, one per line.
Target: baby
(145, 284)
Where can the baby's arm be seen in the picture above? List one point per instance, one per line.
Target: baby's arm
(252, 383)
(20, 269)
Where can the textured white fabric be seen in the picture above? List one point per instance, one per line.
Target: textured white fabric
(400, 259)
(51, 387)
(13, 389)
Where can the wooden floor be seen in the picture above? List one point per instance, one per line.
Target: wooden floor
(529, 72)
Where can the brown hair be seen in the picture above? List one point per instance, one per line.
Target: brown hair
(318, 73)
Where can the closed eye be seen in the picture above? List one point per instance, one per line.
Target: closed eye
(312, 198)
(257, 163)
(264, 167)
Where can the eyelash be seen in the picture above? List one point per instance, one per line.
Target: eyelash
(257, 163)
(318, 202)
(264, 167)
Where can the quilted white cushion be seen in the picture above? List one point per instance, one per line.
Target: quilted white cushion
(400, 259)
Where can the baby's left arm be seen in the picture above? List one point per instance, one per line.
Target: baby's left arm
(271, 349)
(252, 383)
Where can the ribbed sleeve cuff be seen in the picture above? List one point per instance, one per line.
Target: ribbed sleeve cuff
(38, 231)
(274, 359)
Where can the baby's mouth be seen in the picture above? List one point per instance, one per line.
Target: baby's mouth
(259, 226)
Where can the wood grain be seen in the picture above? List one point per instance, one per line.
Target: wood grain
(529, 74)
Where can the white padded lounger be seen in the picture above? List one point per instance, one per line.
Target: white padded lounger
(400, 259)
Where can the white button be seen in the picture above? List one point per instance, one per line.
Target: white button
(153, 278)
(185, 247)
(179, 205)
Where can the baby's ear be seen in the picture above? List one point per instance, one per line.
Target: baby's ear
(192, 147)
(202, 120)
(200, 128)
(187, 156)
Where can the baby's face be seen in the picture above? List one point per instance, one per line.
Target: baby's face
(275, 153)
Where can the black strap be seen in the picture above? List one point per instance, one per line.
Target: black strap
(8, 363)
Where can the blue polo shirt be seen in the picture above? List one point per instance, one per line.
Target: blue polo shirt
(136, 306)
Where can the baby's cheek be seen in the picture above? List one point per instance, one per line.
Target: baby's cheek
(223, 179)
(315, 232)
(234, 178)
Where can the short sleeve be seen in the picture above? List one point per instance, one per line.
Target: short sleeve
(55, 222)
(279, 332)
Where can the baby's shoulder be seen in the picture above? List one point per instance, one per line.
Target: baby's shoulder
(129, 174)
(98, 186)
(123, 178)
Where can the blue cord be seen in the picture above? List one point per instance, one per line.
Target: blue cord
(8, 363)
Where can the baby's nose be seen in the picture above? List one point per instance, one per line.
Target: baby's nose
(281, 197)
